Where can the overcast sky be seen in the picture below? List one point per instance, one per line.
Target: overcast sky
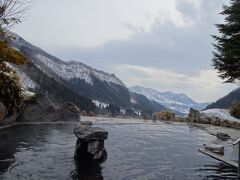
(162, 44)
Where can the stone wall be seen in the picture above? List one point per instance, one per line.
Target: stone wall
(195, 116)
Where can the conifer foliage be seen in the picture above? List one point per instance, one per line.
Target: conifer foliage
(227, 49)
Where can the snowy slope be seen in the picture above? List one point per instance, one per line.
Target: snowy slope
(25, 81)
(221, 113)
(176, 102)
(100, 104)
(65, 69)
(71, 70)
(83, 79)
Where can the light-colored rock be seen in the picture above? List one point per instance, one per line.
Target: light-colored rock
(218, 149)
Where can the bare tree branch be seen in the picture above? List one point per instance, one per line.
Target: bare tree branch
(11, 12)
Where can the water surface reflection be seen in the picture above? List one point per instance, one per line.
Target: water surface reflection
(135, 151)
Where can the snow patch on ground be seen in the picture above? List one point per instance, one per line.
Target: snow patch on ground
(25, 81)
(100, 104)
(133, 101)
(220, 113)
(28, 94)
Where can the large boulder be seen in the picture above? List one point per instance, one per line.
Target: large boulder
(67, 112)
(218, 149)
(164, 115)
(215, 121)
(86, 133)
(234, 124)
(6, 119)
(194, 115)
(3, 111)
(223, 136)
(225, 123)
(90, 143)
(40, 108)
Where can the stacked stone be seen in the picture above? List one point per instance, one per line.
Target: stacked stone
(90, 142)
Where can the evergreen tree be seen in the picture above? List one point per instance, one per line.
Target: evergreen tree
(227, 55)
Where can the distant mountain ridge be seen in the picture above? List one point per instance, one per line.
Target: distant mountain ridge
(226, 101)
(142, 103)
(176, 102)
(84, 85)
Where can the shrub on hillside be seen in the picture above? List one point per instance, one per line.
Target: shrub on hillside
(10, 92)
(235, 110)
(163, 115)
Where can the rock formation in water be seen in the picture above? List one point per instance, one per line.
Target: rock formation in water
(90, 143)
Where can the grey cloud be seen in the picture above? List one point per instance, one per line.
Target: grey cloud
(181, 49)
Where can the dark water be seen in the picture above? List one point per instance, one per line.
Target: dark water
(135, 151)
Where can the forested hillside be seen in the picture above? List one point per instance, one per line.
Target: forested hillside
(226, 101)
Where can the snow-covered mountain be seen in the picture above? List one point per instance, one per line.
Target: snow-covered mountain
(142, 103)
(84, 80)
(76, 70)
(177, 102)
